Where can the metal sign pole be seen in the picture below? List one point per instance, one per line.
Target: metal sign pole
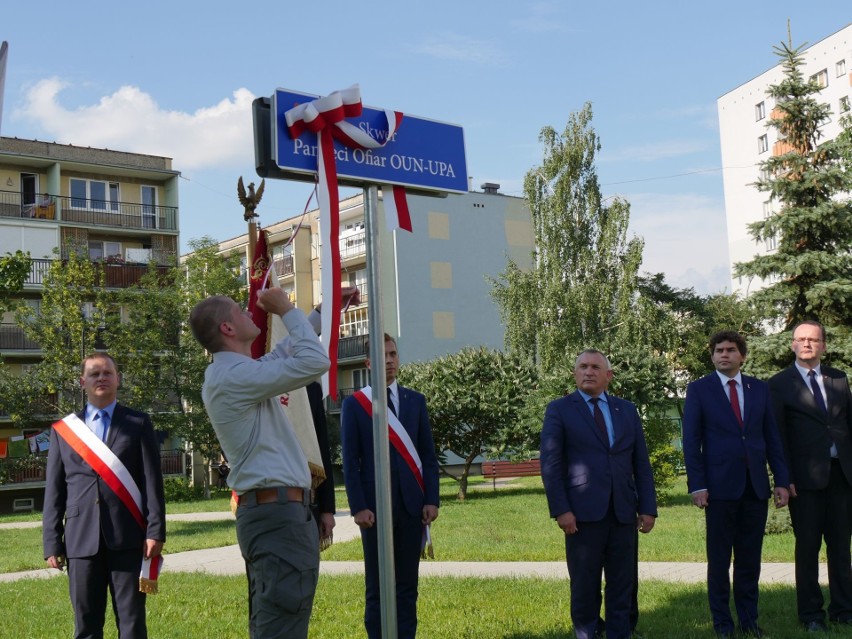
(381, 443)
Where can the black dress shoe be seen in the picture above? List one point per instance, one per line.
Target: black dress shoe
(754, 631)
(815, 626)
(842, 622)
(725, 634)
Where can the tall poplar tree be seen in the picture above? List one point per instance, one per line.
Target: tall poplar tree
(581, 287)
(583, 292)
(809, 275)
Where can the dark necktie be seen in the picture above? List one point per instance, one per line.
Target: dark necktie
(599, 418)
(735, 401)
(390, 402)
(820, 400)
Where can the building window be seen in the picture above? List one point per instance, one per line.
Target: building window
(763, 143)
(99, 250)
(844, 104)
(360, 377)
(149, 206)
(759, 111)
(821, 78)
(840, 68)
(94, 195)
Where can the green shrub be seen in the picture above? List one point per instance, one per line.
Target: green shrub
(179, 489)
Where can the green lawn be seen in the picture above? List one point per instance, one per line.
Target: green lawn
(509, 524)
(193, 606)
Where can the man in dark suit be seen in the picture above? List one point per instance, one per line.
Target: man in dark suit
(413, 506)
(729, 434)
(599, 487)
(813, 407)
(101, 535)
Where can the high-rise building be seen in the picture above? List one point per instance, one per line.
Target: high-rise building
(747, 141)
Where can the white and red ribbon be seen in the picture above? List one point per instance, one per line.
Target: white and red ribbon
(104, 462)
(149, 574)
(326, 117)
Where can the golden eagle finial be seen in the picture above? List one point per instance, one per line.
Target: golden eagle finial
(251, 200)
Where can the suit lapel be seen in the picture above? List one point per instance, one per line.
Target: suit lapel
(721, 397)
(586, 415)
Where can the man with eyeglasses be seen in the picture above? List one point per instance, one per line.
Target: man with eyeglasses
(813, 408)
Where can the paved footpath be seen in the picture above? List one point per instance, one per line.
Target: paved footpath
(227, 561)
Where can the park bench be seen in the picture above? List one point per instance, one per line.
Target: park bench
(500, 469)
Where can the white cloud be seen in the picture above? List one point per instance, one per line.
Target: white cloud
(685, 238)
(452, 46)
(131, 120)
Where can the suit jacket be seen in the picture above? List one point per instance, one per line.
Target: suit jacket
(78, 504)
(718, 452)
(359, 469)
(807, 432)
(581, 473)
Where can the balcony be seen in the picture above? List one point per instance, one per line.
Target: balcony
(112, 275)
(12, 338)
(332, 404)
(352, 347)
(284, 266)
(352, 245)
(125, 215)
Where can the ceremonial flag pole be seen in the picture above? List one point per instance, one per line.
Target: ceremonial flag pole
(381, 443)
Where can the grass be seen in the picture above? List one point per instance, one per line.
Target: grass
(510, 524)
(195, 606)
(182, 536)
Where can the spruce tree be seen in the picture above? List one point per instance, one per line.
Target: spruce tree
(809, 275)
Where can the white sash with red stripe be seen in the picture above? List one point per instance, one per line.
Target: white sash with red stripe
(401, 441)
(397, 434)
(104, 462)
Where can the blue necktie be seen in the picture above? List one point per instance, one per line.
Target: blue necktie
(103, 417)
(820, 400)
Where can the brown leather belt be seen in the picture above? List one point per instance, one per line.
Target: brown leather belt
(272, 495)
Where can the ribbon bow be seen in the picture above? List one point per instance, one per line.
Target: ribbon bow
(326, 117)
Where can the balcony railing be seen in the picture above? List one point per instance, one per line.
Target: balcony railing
(24, 470)
(332, 404)
(12, 338)
(352, 347)
(114, 275)
(352, 244)
(129, 215)
(284, 265)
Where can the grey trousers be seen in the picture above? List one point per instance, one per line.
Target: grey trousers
(280, 545)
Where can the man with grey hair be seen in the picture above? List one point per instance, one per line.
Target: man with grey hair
(600, 489)
(269, 472)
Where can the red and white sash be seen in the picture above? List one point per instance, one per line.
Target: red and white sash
(401, 441)
(104, 462)
(397, 434)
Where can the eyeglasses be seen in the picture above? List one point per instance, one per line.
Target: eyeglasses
(807, 340)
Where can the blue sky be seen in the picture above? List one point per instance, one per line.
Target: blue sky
(177, 79)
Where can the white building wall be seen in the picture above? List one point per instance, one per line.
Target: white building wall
(740, 130)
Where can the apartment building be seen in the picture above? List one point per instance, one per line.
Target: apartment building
(747, 141)
(117, 207)
(435, 287)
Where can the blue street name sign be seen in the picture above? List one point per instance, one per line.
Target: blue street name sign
(423, 154)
